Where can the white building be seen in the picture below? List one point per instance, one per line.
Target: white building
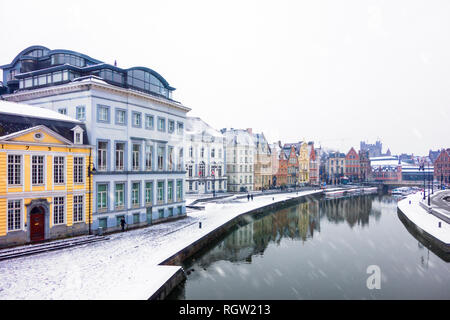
(205, 158)
(240, 152)
(134, 124)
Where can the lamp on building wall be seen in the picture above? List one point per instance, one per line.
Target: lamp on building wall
(91, 171)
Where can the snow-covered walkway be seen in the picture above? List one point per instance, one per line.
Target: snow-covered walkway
(126, 266)
(424, 220)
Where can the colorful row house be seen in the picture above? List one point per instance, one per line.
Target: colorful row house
(45, 162)
(442, 167)
(352, 165)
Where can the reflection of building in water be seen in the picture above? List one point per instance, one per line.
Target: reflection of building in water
(355, 210)
(298, 222)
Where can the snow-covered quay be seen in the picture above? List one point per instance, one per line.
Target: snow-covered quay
(430, 226)
(128, 265)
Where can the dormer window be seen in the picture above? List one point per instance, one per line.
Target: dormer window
(77, 135)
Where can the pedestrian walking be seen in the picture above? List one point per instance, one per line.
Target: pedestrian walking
(248, 196)
(122, 223)
(252, 197)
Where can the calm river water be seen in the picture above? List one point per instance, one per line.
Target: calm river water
(319, 250)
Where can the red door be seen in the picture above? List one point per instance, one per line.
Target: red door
(37, 224)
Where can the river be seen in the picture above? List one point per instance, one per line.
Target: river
(319, 249)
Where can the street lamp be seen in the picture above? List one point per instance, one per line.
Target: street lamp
(422, 167)
(91, 171)
(214, 182)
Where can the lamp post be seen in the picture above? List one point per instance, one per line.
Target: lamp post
(428, 186)
(214, 182)
(91, 171)
(422, 167)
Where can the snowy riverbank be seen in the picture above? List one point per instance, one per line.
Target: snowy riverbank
(425, 221)
(126, 266)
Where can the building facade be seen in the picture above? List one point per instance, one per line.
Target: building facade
(130, 117)
(364, 166)
(335, 167)
(314, 164)
(205, 158)
(442, 167)
(352, 165)
(291, 155)
(46, 190)
(303, 163)
(262, 162)
(240, 152)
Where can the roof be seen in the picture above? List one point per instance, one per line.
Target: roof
(16, 117)
(196, 126)
(239, 137)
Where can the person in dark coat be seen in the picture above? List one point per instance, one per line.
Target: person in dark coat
(252, 197)
(248, 196)
(122, 223)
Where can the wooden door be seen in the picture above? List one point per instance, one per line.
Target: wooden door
(37, 224)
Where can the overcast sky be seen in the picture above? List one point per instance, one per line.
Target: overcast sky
(335, 72)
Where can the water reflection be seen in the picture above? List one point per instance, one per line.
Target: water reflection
(318, 250)
(294, 223)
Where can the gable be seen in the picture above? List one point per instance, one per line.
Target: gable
(38, 134)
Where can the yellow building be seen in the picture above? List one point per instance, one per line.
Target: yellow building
(303, 163)
(45, 189)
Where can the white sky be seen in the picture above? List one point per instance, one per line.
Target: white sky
(335, 72)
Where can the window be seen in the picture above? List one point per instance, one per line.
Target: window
(62, 110)
(102, 149)
(135, 191)
(81, 113)
(161, 124)
(137, 119)
(202, 152)
(14, 215)
(14, 169)
(148, 157)
(180, 127)
(170, 163)
(58, 210)
(201, 171)
(171, 126)
(148, 122)
(78, 172)
(102, 113)
(180, 159)
(78, 208)
(136, 156)
(161, 213)
(190, 170)
(58, 170)
(161, 150)
(220, 153)
(120, 151)
(191, 152)
(149, 192)
(170, 191)
(160, 192)
(102, 196)
(78, 138)
(121, 117)
(213, 153)
(179, 190)
(119, 196)
(37, 170)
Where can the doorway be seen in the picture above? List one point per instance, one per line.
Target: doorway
(37, 224)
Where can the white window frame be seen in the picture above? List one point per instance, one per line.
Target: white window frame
(77, 173)
(16, 172)
(78, 208)
(35, 174)
(59, 174)
(61, 207)
(14, 215)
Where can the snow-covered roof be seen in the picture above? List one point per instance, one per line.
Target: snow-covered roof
(26, 110)
(239, 137)
(196, 126)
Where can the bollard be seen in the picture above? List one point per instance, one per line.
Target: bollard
(199, 225)
(409, 201)
(439, 224)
